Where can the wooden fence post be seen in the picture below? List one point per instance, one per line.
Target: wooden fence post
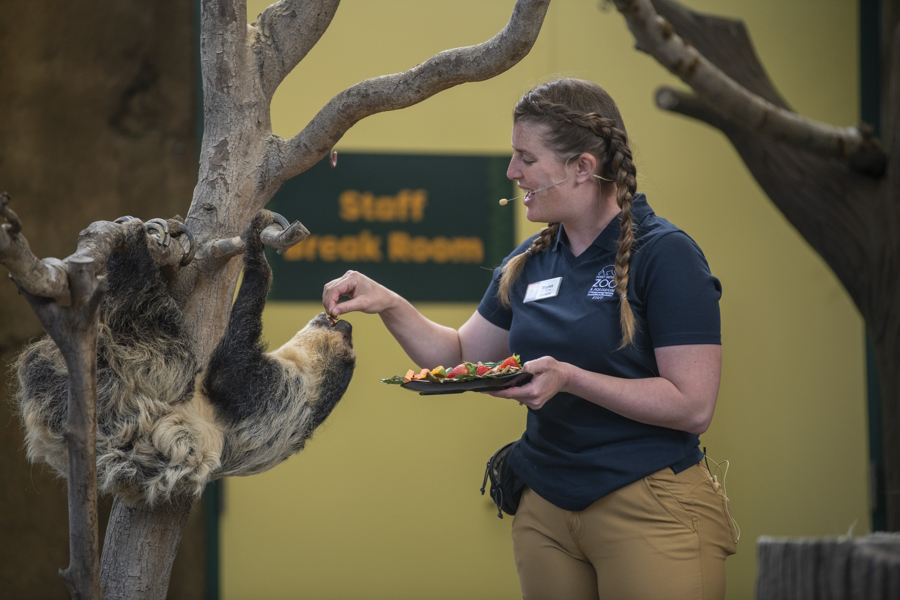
(829, 569)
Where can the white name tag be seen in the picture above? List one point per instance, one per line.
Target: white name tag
(542, 289)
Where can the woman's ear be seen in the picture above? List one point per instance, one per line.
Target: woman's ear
(585, 167)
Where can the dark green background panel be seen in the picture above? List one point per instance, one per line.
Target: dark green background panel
(448, 204)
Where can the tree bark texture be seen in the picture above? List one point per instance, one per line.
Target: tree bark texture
(846, 209)
(99, 104)
(82, 577)
(140, 544)
(74, 330)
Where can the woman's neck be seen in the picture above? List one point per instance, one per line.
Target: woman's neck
(584, 230)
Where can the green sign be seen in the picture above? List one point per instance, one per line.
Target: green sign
(428, 227)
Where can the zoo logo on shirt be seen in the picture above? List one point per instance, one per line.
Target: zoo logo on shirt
(605, 285)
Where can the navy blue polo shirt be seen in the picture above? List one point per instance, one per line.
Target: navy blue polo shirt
(575, 452)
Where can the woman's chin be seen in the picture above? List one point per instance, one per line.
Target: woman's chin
(535, 215)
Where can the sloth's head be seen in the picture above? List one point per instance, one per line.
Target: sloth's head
(322, 346)
(344, 328)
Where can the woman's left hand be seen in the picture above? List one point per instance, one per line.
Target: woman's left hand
(549, 376)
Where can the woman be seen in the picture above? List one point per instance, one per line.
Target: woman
(615, 313)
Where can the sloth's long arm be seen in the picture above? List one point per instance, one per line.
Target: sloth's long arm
(239, 373)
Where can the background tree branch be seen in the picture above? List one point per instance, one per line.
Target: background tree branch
(391, 92)
(656, 36)
(726, 44)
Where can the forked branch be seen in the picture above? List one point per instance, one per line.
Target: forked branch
(284, 34)
(391, 92)
(656, 36)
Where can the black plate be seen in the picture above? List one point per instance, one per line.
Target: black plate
(492, 384)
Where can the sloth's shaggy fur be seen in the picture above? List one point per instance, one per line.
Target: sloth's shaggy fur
(271, 403)
(163, 429)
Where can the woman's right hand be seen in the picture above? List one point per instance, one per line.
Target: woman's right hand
(366, 295)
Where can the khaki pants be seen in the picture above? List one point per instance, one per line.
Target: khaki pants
(665, 536)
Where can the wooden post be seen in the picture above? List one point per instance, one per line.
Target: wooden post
(829, 569)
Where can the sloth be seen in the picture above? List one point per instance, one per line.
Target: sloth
(165, 427)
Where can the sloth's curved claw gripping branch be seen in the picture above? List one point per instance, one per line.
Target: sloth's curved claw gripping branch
(161, 228)
(179, 229)
(281, 236)
(165, 230)
(49, 278)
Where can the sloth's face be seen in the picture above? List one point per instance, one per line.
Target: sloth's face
(319, 346)
(342, 327)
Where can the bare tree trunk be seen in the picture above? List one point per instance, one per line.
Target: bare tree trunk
(145, 542)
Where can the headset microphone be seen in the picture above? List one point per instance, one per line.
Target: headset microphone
(504, 201)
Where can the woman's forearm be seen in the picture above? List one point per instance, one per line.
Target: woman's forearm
(654, 400)
(427, 343)
(683, 397)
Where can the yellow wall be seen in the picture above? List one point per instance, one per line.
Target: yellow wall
(384, 501)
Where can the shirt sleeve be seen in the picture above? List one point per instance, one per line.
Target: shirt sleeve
(490, 307)
(680, 293)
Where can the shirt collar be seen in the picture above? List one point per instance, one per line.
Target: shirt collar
(609, 237)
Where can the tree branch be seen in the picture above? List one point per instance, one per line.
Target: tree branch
(283, 35)
(826, 201)
(48, 278)
(726, 44)
(656, 36)
(689, 105)
(74, 330)
(226, 248)
(280, 236)
(391, 92)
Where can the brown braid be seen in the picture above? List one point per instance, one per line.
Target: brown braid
(514, 266)
(583, 118)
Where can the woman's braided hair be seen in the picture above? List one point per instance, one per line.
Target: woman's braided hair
(581, 117)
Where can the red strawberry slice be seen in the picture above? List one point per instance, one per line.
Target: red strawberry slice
(481, 370)
(458, 370)
(512, 361)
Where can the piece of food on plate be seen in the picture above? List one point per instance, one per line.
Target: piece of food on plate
(462, 372)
